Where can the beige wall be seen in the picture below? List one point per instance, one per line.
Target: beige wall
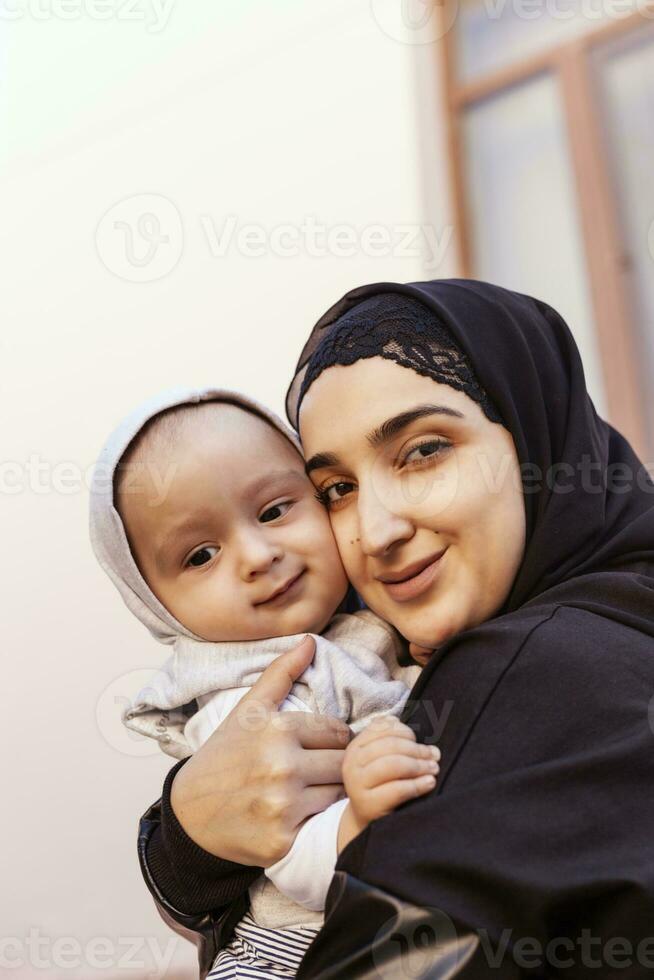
(273, 115)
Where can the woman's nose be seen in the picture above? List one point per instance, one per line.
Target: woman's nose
(381, 527)
(257, 554)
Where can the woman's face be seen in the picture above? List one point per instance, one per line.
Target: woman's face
(424, 495)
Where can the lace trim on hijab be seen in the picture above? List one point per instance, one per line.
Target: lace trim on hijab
(398, 328)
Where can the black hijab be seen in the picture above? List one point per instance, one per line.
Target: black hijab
(542, 821)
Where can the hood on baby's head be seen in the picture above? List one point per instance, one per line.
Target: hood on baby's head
(107, 531)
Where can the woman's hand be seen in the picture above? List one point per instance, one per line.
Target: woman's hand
(384, 766)
(245, 792)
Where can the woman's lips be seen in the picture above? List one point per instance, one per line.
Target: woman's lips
(414, 580)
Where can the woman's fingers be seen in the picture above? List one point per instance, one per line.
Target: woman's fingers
(320, 731)
(277, 680)
(314, 799)
(320, 766)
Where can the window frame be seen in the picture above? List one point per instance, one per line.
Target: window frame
(607, 261)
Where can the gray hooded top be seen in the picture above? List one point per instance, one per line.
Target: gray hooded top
(351, 676)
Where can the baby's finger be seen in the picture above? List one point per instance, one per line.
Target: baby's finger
(385, 727)
(389, 796)
(394, 745)
(395, 767)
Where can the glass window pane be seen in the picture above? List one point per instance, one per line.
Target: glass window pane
(523, 214)
(492, 34)
(625, 73)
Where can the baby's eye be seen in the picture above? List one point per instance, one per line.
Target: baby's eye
(275, 512)
(424, 450)
(202, 556)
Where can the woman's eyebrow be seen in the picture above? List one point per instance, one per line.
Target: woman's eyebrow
(386, 431)
(390, 428)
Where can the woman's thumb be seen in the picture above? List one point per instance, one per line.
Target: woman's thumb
(278, 679)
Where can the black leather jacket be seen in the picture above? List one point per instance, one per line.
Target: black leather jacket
(391, 953)
(539, 831)
(210, 931)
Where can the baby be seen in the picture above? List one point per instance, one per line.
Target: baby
(204, 518)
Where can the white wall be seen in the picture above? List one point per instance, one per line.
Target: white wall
(272, 114)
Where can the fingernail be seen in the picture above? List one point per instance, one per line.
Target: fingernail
(435, 751)
(424, 782)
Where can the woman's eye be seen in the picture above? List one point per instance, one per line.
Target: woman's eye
(274, 513)
(335, 492)
(425, 450)
(202, 556)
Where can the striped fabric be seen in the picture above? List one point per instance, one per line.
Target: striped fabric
(259, 953)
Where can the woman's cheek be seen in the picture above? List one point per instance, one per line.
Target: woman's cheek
(342, 526)
(434, 496)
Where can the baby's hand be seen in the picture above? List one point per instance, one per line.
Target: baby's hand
(383, 767)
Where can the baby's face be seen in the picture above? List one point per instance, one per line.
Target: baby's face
(229, 535)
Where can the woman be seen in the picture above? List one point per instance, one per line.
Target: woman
(482, 507)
